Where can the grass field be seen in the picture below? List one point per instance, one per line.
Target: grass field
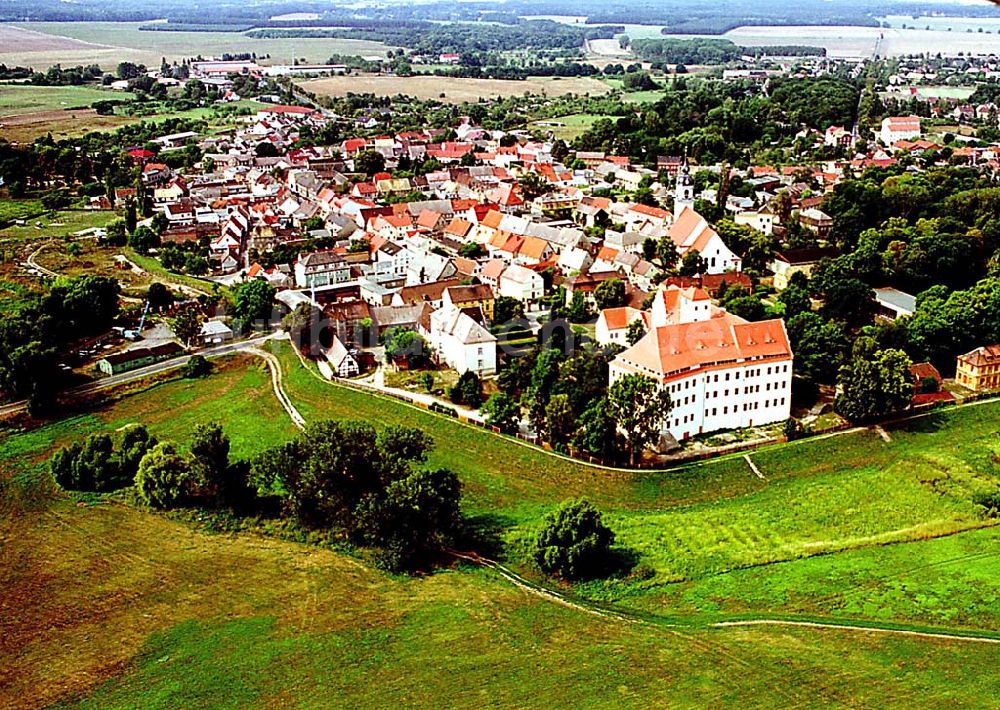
(42, 44)
(573, 126)
(846, 528)
(20, 98)
(452, 90)
(27, 112)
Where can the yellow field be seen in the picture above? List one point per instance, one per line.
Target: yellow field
(452, 90)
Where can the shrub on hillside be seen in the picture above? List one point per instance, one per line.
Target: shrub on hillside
(575, 543)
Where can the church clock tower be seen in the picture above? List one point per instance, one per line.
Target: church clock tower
(684, 194)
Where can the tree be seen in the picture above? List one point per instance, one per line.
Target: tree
(693, 264)
(819, 345)
(640, 406)
(795, 299)
(472, 250)
(158, 296)
(507, 309)
(369, 162)
(747, 307)
(143, 239)
(136, 443)
(875, 383)
(253, 302)
(666, 253)
(210, 461)
(502, 412)
(405, 344)
(533, 185)
(598, 431)
(164, 478)
(417, 516)
(468, 390)
(636, 329)
(579, 310)
(849, 301)
(130, 215)
(574, 543)
(187, 323)
(196, 366)
(560, 421)
(610, 294)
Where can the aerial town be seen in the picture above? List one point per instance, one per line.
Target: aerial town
(613, 357)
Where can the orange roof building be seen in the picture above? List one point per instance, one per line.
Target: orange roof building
(722, 372)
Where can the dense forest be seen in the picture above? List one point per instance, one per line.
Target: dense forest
(430, 38)
(711, 51)
(731, 121)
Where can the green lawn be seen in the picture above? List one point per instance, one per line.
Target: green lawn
(15, 209)
(848, 528)
(22, 98)
(573, 126)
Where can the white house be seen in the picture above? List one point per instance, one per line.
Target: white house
(613, 325)
(722, 372)
(462, 343)
(522, 283)
(321, 268)
(691, 232)
(341, 361)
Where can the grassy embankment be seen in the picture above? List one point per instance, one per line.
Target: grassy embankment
(171, 615)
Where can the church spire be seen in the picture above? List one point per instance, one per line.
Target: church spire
(684, 192)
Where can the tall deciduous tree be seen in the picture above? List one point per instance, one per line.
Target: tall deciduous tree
(875, 383)
(574, 542)
(640, 406)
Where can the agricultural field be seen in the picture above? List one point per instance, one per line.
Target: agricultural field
(42, 44)
(240, 619)
(452, 90)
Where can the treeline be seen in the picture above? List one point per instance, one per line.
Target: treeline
(471, 38)
(7, 72)
(70, 76)
(565, 69)
(731, 121)
(712, 51)
(342, 480)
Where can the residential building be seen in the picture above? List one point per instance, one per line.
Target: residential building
(460, 340)
(979, 370)
(893, 303)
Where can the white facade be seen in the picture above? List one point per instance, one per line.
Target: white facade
(735, 397)
(721, 372)
(461, 343)
(521, 283)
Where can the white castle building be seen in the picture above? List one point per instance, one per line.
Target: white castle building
(722, 372)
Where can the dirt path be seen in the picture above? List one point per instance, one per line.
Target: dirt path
(274, 365)
(859, 628)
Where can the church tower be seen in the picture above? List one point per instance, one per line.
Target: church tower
(684, 194)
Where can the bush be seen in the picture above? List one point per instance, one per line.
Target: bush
(97, 466)
(196, 367)
(468, 390)
(574, 542)
(164, 479)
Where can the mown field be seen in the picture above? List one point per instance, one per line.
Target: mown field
(847, 529)
(573, 126)
(452, 90)
(27, 112)
(42, 44)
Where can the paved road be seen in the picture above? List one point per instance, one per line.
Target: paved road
(149, 370)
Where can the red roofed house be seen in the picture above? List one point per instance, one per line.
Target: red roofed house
(722, 372)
